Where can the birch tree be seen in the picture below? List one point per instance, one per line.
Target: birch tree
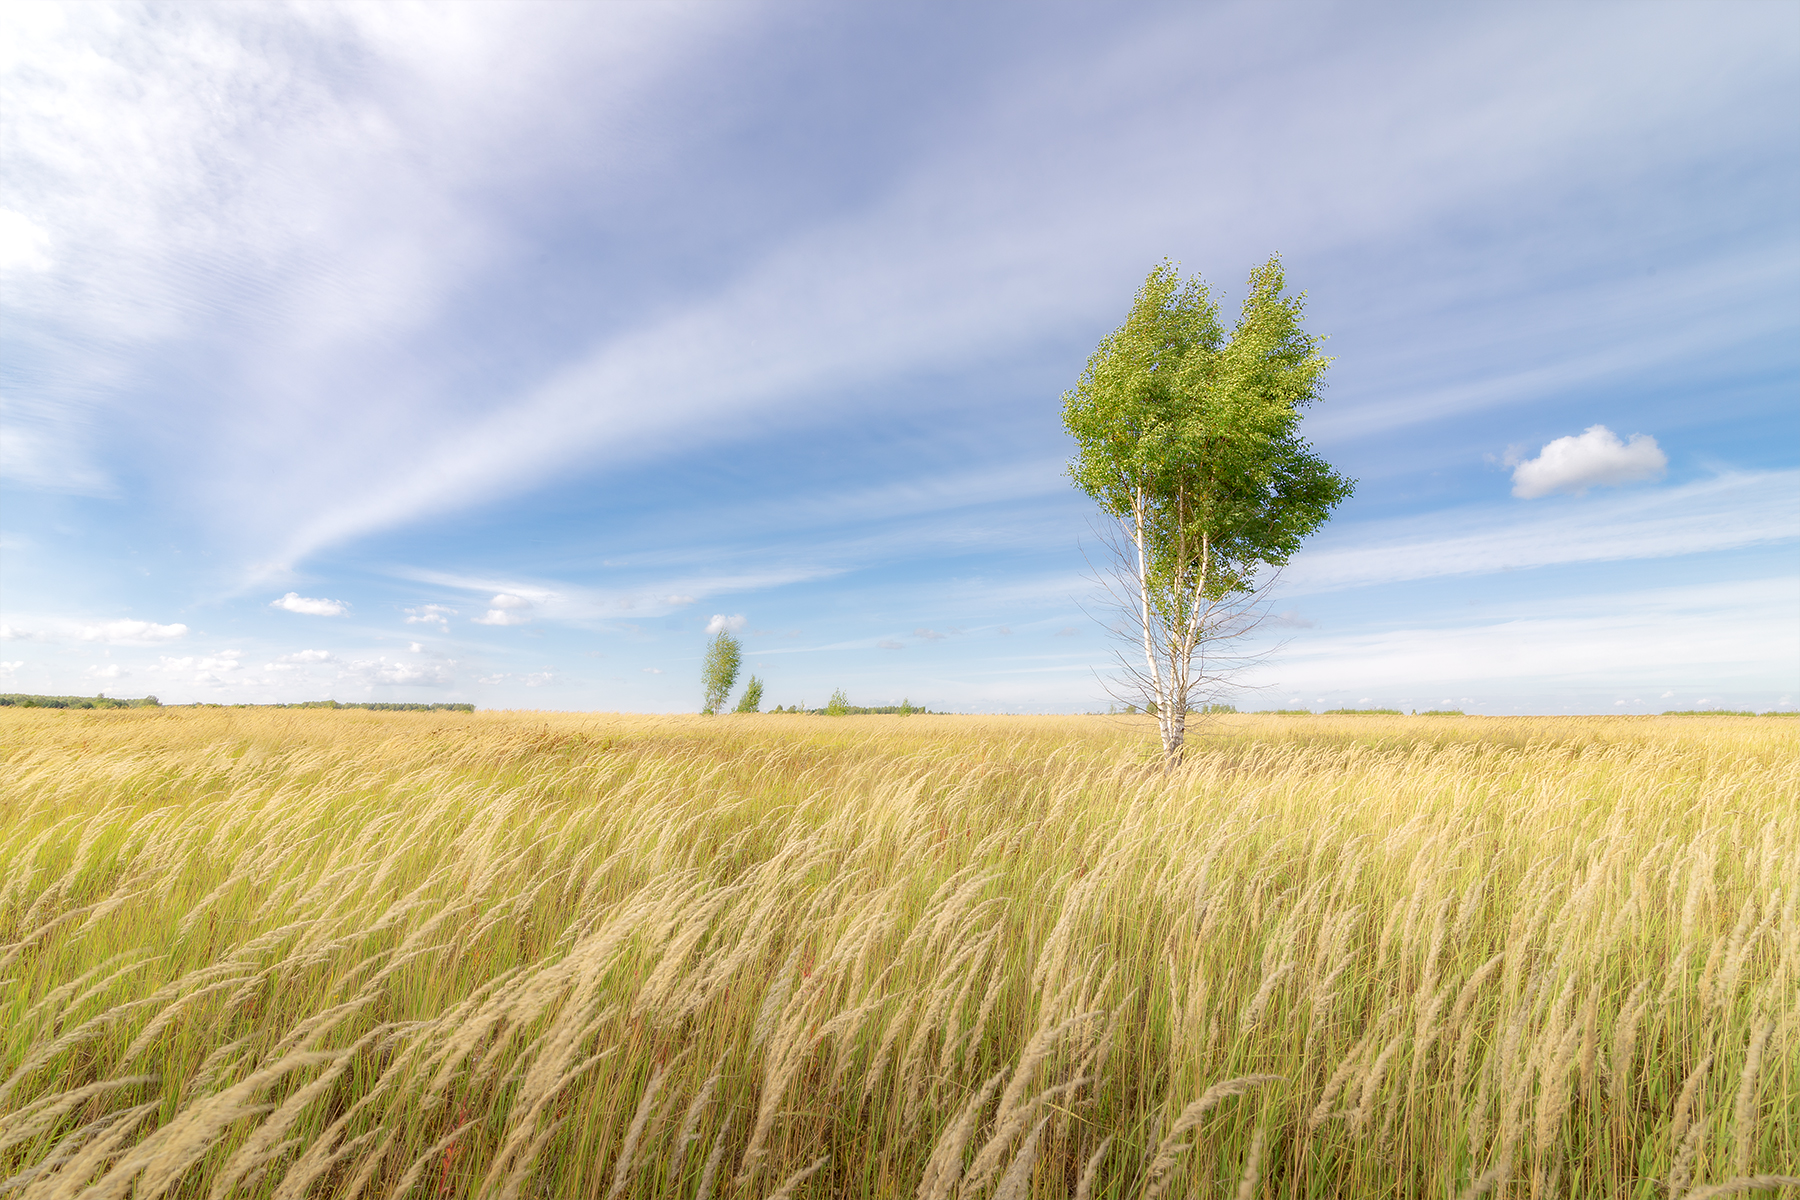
(1188, 439)
(720, 672)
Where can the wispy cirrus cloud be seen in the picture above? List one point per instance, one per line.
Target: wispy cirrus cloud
(901, 282)
(123, 632)
(1726, 512)
(565, 601)
(390, 672)
(1739, 634)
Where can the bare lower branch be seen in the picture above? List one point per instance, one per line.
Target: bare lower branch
(1179, 652)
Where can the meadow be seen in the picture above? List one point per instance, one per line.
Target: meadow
(290, 953)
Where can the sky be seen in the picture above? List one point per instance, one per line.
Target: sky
(503, 353)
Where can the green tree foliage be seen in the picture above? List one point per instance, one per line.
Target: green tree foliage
(723, 658)
(1188, 438)
(839, 704)
(23, 700)
(751, 701)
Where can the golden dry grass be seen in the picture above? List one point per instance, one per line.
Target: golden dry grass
(304, 953)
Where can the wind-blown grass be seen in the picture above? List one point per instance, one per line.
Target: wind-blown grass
(298, 953)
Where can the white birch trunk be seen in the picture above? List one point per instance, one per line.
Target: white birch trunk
(1164, 711)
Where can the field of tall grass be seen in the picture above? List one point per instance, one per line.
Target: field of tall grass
(311, 953)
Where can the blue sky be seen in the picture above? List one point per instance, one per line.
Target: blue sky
(492, 353)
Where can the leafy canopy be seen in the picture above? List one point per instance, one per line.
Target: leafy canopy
(723, 658)
(1203, 429)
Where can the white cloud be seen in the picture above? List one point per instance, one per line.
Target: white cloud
(132, 633)
(653, 670)
(109, 633)
(8, 668)
(913, 278)
(295, 603)
(205, 668)
(436, 614)
(1596, 458)
(154, 157)
(679, 600)
(539, 678)
(507, 608)
(1743, 509)
(24, 244)
(300, 658)
(928, 635)
(386, 671)
(1739, 634)
(720, 623)
(109, 671)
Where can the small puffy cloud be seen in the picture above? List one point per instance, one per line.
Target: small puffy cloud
(505, 609)
(132, 632)
(1668, 696)
(720, 623)
(891, 644)
(1596, 458)
(430, 614)
(1006, 630)
(681, 599)
(308, 606)
(539, 678)
(7, 668)
(301, 658)
(653, 670)
(416, 647)
(929, 635)
(109, 671)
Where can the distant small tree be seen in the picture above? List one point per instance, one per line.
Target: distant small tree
(839, 705)
(752, 698)
(720, 673)
(906, 708)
